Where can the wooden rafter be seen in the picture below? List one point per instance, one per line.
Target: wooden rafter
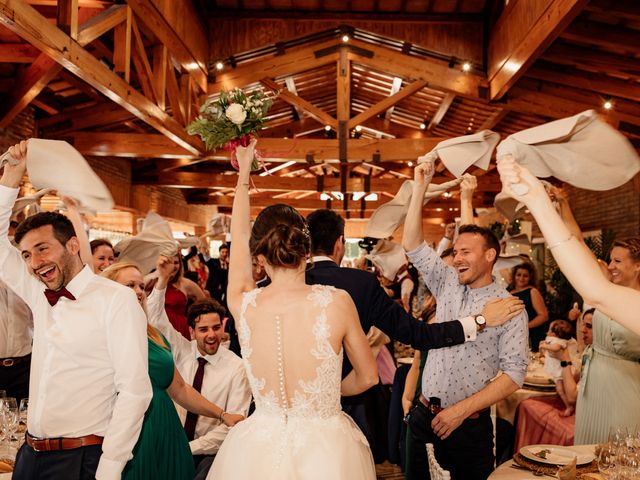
(383, 105)
(441, 112)
(133, 145)
(515, 43)
(33, 27)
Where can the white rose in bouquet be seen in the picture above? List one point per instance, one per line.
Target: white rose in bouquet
(236, 113)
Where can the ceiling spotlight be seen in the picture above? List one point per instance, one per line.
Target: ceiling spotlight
(358, 128)
(607, 105)
(327, 128)
(219, 65)
(410, 164)
(345, 38)
(466, 66)
(422, 126)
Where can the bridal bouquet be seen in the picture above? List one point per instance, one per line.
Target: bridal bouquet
(231, 121)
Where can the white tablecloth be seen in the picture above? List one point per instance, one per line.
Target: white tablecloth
(505, 472)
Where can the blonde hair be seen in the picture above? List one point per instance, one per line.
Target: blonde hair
(112, 272)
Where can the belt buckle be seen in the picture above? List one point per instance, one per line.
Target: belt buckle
(8, 362)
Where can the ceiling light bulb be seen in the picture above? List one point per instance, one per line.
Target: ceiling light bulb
(608, 105)
(358, 128)
(327, 128)
(219, 65)
(422, 126)
(345, 38)
(466, 66)
(410, 164)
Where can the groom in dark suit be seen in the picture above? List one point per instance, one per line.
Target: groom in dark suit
(376, 308)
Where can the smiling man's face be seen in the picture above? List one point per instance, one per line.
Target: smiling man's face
(473, 260)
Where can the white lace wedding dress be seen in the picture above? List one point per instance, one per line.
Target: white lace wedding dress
(298, 430)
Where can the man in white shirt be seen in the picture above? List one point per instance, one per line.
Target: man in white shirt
(217, 373)
(89, 385)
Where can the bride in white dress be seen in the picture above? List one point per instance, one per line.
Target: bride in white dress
(292, 336)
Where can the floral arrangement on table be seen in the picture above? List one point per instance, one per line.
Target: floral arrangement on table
(231, 121)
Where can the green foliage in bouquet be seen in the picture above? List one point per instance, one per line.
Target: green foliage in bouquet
(234, 115)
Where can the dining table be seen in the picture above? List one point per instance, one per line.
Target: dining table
(506, 471)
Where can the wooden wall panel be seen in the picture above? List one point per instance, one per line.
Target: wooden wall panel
(229, 36)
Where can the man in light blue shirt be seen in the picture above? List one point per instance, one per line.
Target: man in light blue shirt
(457, 386)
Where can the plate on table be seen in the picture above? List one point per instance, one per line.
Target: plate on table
(555, 455)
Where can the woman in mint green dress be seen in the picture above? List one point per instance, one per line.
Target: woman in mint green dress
(162, 451)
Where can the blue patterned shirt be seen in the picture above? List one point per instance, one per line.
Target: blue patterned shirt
(455, 373)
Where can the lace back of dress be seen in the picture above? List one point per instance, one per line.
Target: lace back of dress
(291, 365)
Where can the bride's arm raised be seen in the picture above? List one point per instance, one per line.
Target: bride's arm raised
(240, 276)
(365, 370)
(572, 256)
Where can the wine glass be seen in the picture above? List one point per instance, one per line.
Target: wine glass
(617, 436)
(22, 411)
(11, 417)
(607, 461)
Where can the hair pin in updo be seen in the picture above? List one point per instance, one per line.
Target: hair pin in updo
(305, 231)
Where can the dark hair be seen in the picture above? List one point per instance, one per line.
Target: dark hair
(223, 246)
(62, 226)
(281, 235)
(447, 252)
(100, 242)
(591, 311)
(523, 266)
(632, 244)
(490, 239)
(202, 307)
(325, 227)
(561, 329)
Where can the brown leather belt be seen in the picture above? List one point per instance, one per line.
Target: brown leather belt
(434, 409)
(52, 444)
(11, 361)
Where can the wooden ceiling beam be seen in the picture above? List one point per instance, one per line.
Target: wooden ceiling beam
(36, 29)
(102, 23)
(93, 116)
(383, 105)
(343, 87)
(31, 82)
(586, 81)
(166, 30)
(294, 61)
(593, 60)
(18, 53)
(441, 112)
(626, 9)
(493, 120)
(313, 111)
(131, 145)
(521, 35)
(435, 72)
(292, 129)
(613, 37)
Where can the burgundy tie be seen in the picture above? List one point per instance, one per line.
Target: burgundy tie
(54, 295)
(192, 418)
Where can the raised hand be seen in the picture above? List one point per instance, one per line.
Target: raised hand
(423, 174)
(512, 174)
(245, 157)
(469, 183)
(164, 267)
(16, 167)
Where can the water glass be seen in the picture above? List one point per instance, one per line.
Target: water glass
(607, 461)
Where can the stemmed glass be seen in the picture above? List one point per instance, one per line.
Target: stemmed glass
(11, 417)
(22, 411)
(607, 461)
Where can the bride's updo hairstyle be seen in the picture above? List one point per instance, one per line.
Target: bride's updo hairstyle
(280, 233)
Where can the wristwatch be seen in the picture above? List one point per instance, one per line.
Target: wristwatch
(481, 322)
(564, 363)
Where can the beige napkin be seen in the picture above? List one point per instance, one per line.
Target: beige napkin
(389, 216)
(581, 150)
(33, 199)
(568, 472)
(155, 239)
(389, 257)
(57, 165)
(459, 153)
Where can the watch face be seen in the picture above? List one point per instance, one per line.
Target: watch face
(480, 320)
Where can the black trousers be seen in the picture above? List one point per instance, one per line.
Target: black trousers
(467, 453)
(203, 464)
(77, 464)
(15, 379)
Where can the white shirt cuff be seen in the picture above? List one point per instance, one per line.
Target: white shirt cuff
(470, 328)
(109, 469)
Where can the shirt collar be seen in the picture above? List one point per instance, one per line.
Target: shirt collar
(211, 359)
(322, 258)
(78, 283)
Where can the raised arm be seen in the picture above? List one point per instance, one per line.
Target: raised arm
(572, 256)
(240, 278)
(413, 235)
(467, 187)
(74, 215)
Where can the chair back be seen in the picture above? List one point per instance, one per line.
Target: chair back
(435, 470)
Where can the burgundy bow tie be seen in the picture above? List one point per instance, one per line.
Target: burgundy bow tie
(54, 295)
